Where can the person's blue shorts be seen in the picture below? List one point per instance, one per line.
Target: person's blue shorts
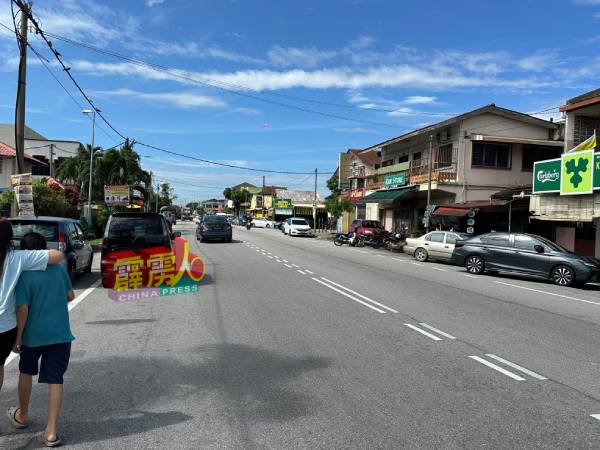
(55, 360)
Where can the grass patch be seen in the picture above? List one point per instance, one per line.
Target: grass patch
(96, 242)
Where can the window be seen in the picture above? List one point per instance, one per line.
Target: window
(525, 243)
(40, 170)
(299, 222)
(1, 165)
(387, 162)
(416, 156)
(403, 159)
(435, 237)
(497, 239)
(452, 238)
(533, 153)
(444, 156)
(491, 155)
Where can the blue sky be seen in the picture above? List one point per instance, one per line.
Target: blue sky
(419, 61)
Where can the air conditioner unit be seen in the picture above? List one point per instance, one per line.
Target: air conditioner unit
(443, 136)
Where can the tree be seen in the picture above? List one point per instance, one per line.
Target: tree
(192, 205)
(237, 196)
(336, 206)
(332, 185)
(53, 201)
(166, 195)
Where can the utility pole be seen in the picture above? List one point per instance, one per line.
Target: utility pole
(263, 195)
(315, 204)
(52, 160)
(427, 210)
(21, 88)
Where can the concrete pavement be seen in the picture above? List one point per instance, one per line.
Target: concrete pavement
(296, 343)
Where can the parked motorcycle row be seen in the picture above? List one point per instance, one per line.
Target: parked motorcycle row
(388, 241)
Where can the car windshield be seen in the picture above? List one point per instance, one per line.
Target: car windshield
(371, 224)
(215, 219)
(299, 222)
(47, 229)
(552, 245)
(142, 231)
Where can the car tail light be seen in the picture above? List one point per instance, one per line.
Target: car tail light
(62, 244)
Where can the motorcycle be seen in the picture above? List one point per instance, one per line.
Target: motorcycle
(374, 240)
(394, 242)
(350, 239)
(248, 225)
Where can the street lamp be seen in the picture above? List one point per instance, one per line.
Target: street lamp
(93, 113)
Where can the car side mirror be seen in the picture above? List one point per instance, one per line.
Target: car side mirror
(77, 244)
(539, 248)
(176, 234)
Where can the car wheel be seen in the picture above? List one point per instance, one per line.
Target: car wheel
(267, 226)
(563, 276)
(421, 255)
(475, 264)
(88, 268)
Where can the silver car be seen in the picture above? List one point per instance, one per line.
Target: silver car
(434, 245)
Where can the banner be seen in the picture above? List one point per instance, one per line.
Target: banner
(546, 176)
(116, 195)
(22, 185)
(283, 203)
(588, 144)
(396, 180)
(577, 173)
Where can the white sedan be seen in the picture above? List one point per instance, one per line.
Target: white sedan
(262, 223)
(434, 245)
(297, 227)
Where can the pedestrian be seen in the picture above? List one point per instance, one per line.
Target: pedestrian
(43, 332)
(12, 264)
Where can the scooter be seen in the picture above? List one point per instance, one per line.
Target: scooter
(248, 225)
(372, 240)
(351, 239)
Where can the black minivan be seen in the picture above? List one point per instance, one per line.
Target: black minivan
(525, 254)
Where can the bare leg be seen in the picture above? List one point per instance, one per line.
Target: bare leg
(24, 388)
(55, 396)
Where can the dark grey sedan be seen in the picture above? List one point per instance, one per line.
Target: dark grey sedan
(214, 227)
(525, 254)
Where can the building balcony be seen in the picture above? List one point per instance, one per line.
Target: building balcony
(394, 168)
(441, 171)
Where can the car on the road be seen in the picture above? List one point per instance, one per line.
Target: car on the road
(297, 226)
(437, 245)
(525, 254)
(363, 226)
(128, 235)
(60, 233)
(214, 227)
(262, 223)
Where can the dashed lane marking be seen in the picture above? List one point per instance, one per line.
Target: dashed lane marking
(360, 295)
(516, 366)
(308, 271)
(497, 368)
(287, 265)
(416, 264)
(449, 336)
(302, 272)
(440, 269)
(349, 296)
(469, 275)
(423, 332)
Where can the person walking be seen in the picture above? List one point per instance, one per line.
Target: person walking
(12, 264)
(43, 331)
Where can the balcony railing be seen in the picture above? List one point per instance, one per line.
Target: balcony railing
(441, 171)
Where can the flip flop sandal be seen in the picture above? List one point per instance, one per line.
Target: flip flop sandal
(12, 416)
(55, 443)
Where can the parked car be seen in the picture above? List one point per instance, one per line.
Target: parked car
(362, 226)
(262, 223)
(60, 233)
(297, 226)
(435, 245)
(525, 254)
(214, 227)
(131, 234)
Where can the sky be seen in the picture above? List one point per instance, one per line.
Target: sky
(287, 85)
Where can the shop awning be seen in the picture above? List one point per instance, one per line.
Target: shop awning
(449, 211)
(388, 194)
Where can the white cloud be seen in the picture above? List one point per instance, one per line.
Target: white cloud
(180, 100)
(154, 2)
(587, 2)
(298, 57)
(539, 61)
(419, 100)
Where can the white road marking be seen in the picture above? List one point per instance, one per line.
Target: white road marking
(348, 295)
(416, 264)
(267, 252)
(399, 259)
(284, 260)
(440, 269)
(381, 256)
(498, 368)
(72, 304)
(423, 332)
(360, 295)
(595, 416)
(362, 251)
(449, 336)
(548, 293)
(278, 260)
(516, 366)
(302, 272)
(295, 265)
(287, 265)
(469, 275)
(270, 257)
(308, 271)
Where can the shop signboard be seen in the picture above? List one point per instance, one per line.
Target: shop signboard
(597, 170)
(284, 211)
(116, 195)
(283, 203)
(546, 176)
(391, 181)
(572, 174)
(22, 185)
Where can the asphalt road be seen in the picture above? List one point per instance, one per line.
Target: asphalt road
(296, 343)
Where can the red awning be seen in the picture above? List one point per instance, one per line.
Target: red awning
(448, 211)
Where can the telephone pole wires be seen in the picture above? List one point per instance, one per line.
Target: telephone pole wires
(21, 87)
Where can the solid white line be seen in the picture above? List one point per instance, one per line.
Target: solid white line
(349, 296)
(440, 269)
(72, 304)
(429, 335)
(516, 366)
(498, 368)
(303, 273)
(595, 416)
(360, 295)
(400, 259)
(469, 275)
(308, 271)
(449, 336)
(416, 264)
(548, 293)
(295, 265)
(287, 265)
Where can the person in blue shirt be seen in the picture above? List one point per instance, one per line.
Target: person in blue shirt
(43, 331)
(12, 264)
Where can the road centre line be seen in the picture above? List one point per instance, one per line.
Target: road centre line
(287, 265)
(423, 332)
(284, 260)
(548, 293)
(449, 336)
(278, 260)
(295, 265)
(302, 272)
(516, 366)
(400, 259)
(360, 295)
(348, 295)
(270, 257)
(308, 271)
(72, 304)
(498, 368)
(595, 416)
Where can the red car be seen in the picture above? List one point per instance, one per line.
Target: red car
(362, 226)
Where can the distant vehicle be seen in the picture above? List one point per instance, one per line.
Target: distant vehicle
(297, 226)
(435, 245)
(60, 233)
(214, 227)
(525, 254)
(132, 232)
(362, 226)
(262, 223)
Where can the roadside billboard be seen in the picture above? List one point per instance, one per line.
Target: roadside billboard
(22, 185)
(283, 203)
(116, 195)
(571, 174)
(546, 176)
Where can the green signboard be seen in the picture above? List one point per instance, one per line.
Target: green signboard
(284, 211)
(283, 203)
(546, 176)
(395, 180)
(572, 174)
(577, 173)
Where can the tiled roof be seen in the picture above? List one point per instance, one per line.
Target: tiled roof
(298, 197)
(369, 157)
(7, 150)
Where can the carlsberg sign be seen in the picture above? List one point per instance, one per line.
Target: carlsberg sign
(573, 173)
